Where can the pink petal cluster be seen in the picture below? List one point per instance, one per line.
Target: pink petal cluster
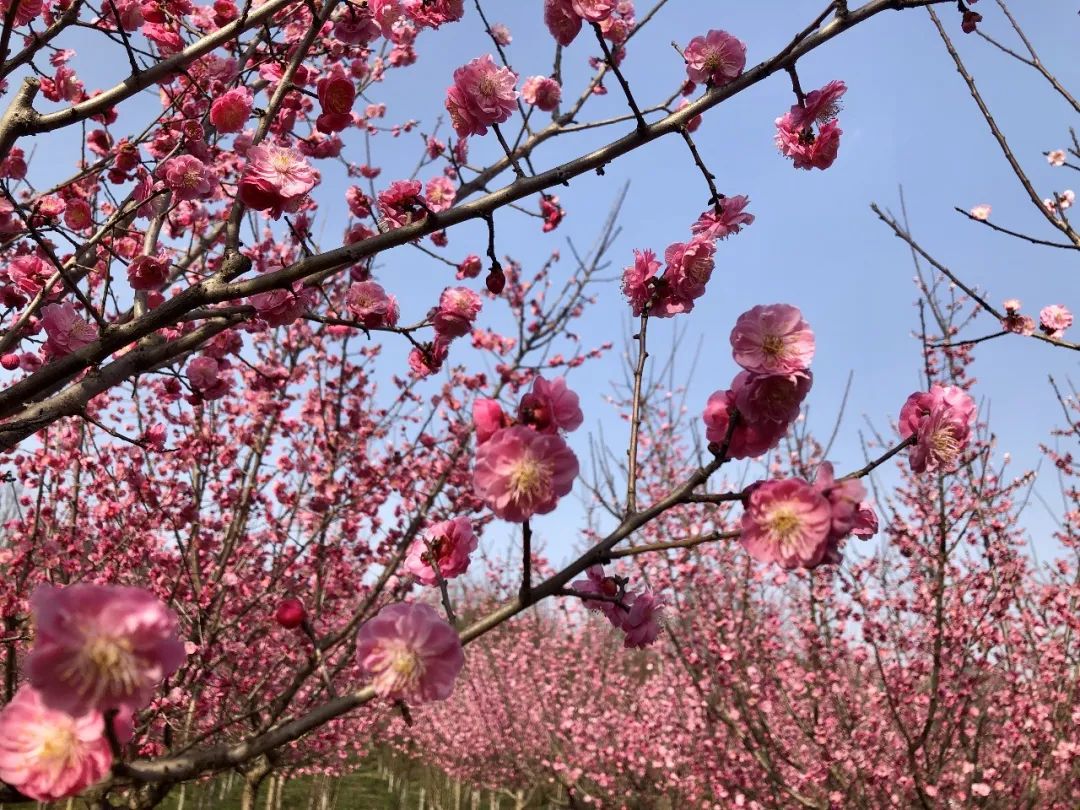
(446, 545)
(636, 613)
(336, 96)
(370, 304)
(402, 203)
(187, 176)
(562, 21)
(774, 345)
(542, 91)
(100, 647)
(1056, 157)
(205, 375)
(795, 130)
(47, 754)
(594, 11)
(519, 472)
(1054, 320)
(981, 212)
(851, 514)
(488, 418)
(456, 313)
(940, 420)
(482, 94)
(1015, 322)
(66, 330)
(440, 193)
(231, 110)
(148, 272)
(410, 652)
(433, 13)
(787, 522)
(275, 179)
(550, 407)
(281, 307)
(715, 58)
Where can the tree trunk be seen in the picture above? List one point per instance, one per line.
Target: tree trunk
(253, 779)
(520, 803)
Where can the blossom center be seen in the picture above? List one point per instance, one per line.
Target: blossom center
(192, 178)
(773, 346)
(112, 662)
(58, 745)
(944, 444)
(529, 479)
(784, 524)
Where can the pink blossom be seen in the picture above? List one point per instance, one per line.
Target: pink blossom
(771, 397)
(689, 268)
(449, 544)
(336, 96)
(772, 339)
(562, 21)
(371, 306)
(25, 11)
(67, 331)
(402, 203)
(48, 754)
(940, 420)
(469, 267)
(427, 359)
(204, 374)
(231, 110)
(456, 313)
(715, 58)
(100, 647)
(433, 13)
(551, 407)
(501, 34)
(866, 521)
(1056, 157)
(78, 215)
(642, 623)
(795, 134)
(148, 272)
(596, 583)
(488, 418)
(281, 307)
(748, 439)
(483, 94)
(1054, 320)
(440, 193)
(551, 211)
(639, 279)
(594, 11)
(693, 123)
(520, 473)
(275, 179)
(980, 212)
(786, 522)
(187, 176)
(848, 507)
(542, 91)
(410, 652)
(729, 221)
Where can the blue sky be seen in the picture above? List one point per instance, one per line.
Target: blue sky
(907, 120)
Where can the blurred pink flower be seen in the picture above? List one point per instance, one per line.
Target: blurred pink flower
(66, 330)
(551, 407)
(456, 313)
(542, 91)
(488, 417)
(371, 306)
(1054, 320)
(449, 544)
(410, 652)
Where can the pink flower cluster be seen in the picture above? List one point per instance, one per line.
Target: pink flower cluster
(564, 18)
(522, 468)
(800, 525)
(797, 137)
(940, 421)
(444, 548)
(688, 266)
(410, 652)
(715, 58)
(452, 318)
(482, 94)
(774, 345)
(97, 649)
(542, 91)
(276, 179)
(636, 613)
(372, 307)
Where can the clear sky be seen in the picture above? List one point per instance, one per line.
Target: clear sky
(907, 120)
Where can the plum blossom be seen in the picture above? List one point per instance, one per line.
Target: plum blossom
(749, 438)
(204, 374)
(728, 221)
(772, 339)
(597, 583)
(562, 21)
(336, 96)
(187, 176)
(689, 268)
(66, 330)
(440, 193)
(520, 473)
(1056, 157)
(231, 110)
(550, 407)
(100, 647)
(281, 307)
(850, 512)
(275, 179)
(370, 304)
(715, 58)
(542, 91)
(981, 212)
(148, 272)
(795, 135)
(456, 313)
(410, 652)
(940, 421)
(642, 623)
(786, 522)
(483, 94)
(47, 754)
(447, 544)
(402, 203)
(771, 397)
(1054, 320)
(594, 11)
(488, 418)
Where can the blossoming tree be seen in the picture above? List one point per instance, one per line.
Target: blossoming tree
(233, 525)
